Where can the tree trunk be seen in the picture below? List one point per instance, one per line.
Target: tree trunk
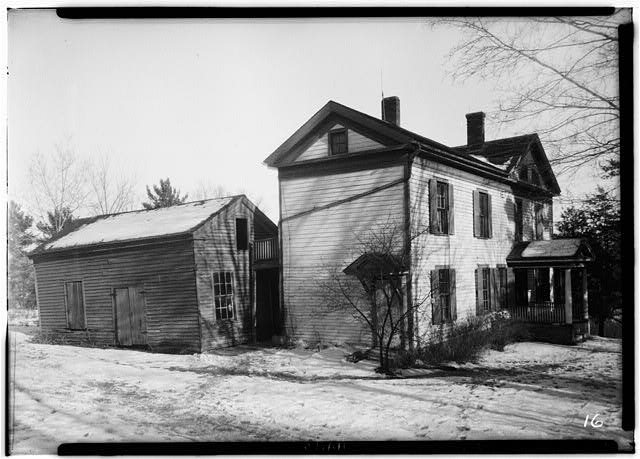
(381, 347)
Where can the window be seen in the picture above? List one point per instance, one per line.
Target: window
(485, 299)
(519, 220)
(539, 221)
(338, 142)
(481, 214)
(524, 174)
(502, 287)
(440, 207)
(74, 302)
(242, 234)
(535, 177)
(223, 295)
(443, 296)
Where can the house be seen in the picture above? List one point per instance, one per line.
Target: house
(191, 277)
(477, 220)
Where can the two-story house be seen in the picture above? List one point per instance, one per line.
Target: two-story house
(477, 220)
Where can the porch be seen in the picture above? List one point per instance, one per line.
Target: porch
(551, 288)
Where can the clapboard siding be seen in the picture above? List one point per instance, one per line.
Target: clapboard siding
(460, 251)
(165, 271)
(356, 142)
(216, 251)
(320, 243)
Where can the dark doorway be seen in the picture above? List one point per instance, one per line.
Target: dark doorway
(267, 304)
(130, 320)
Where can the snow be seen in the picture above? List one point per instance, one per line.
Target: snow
(531, 390)
(485, 160)
(141, 224)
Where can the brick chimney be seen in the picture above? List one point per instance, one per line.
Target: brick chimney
(391, 110)
(475, 128)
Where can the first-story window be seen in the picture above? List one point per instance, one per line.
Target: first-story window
(502, 287)
(483, 290)
(223, 299)
(443, 296)
(74, 302)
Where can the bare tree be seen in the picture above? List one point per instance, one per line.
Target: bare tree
(373, 289)
(559, 75)
(58, 184)
(207, 190)
(112, 190)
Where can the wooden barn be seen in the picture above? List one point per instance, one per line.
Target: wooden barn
(190, 277)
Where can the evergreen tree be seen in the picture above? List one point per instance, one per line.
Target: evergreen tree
(163, 195)
(57, 221)
(598, 220)
(21, 274)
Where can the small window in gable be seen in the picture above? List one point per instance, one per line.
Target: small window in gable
(535, 177)
(242, 234)
(338, 142)
(524, 174)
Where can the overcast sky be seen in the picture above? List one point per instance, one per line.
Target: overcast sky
(206, 101)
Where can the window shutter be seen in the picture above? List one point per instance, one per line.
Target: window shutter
(490, 215)
(433, 207)
(452, 294)
(436, 315)
(493, 289)
(476, 213)
(451, 218)
(478, 292)
(511, 287)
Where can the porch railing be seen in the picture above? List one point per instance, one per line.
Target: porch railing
(546, 312)
(265, 249)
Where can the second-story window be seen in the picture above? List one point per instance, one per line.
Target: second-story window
(441, 207)
(338, 142)
(442, 204)
(519, 215)
(539, 221)
(482, 226)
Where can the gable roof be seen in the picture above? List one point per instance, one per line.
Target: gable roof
(497, 164)
(137, 225)
(506, 154)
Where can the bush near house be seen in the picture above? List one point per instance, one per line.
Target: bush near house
(466, 340)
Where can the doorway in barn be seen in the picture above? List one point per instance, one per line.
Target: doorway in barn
(267, 304)
(131, 327)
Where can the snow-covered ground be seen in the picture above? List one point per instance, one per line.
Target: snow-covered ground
(531, 390)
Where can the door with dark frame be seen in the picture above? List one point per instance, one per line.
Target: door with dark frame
(131, 327)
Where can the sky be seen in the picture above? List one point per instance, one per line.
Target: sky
(206, 101)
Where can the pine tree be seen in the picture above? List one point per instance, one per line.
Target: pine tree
(21, 274)
(163, 195)
(56, 221)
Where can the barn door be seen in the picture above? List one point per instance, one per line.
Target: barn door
(130, 319)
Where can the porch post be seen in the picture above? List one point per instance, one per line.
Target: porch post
(551, 286)
(585, 299)
(568, 316)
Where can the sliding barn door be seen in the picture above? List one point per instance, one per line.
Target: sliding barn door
(130, 318)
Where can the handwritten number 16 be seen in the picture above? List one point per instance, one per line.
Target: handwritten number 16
(594, 423)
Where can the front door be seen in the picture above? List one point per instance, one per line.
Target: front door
(130, 319)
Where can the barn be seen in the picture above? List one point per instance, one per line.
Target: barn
(191, 277)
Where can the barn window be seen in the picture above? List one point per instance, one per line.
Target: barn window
(338, 142)
(74, 302)
(242, 234)
(223, 295)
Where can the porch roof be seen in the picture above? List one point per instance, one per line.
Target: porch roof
(557, 252)
(372, 264)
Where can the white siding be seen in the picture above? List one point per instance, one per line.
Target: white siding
(460, 251)
(356, 142)
(322, 242)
